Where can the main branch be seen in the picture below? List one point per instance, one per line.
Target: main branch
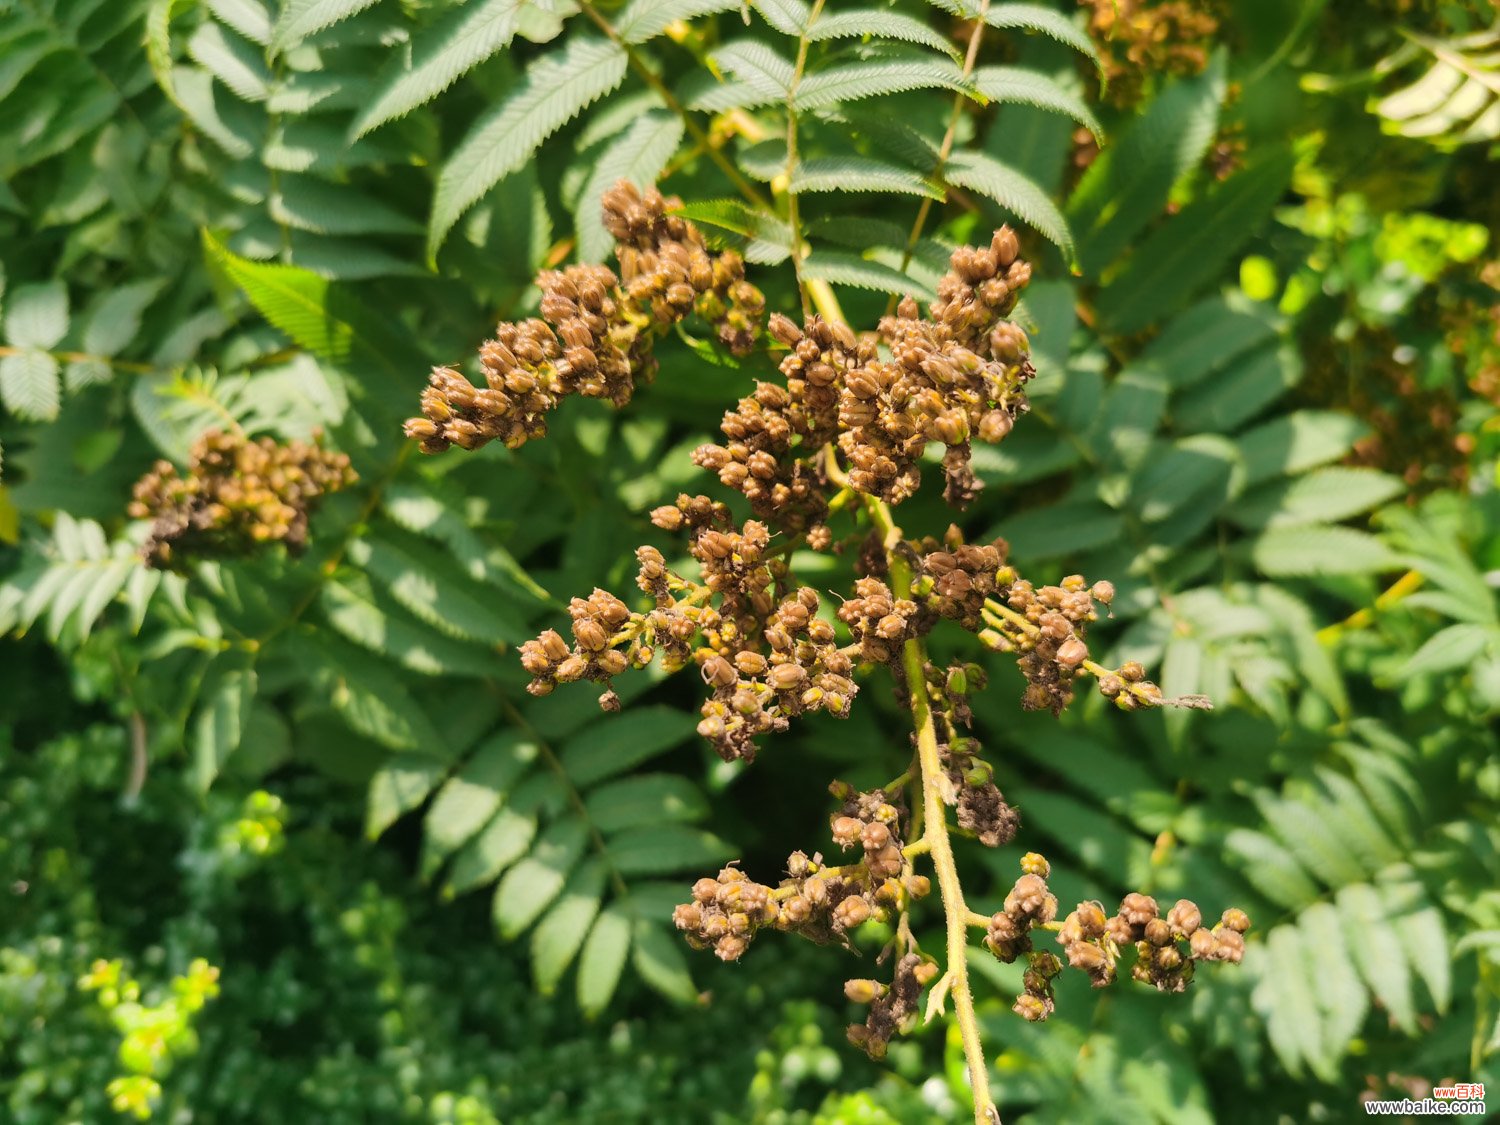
(955, 981)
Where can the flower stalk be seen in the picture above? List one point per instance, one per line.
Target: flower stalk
(956, 913)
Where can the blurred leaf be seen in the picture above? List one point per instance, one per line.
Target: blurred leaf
(116, 319)
(1009, 84)
(1450, 648)
(1034, 17)
(859, 173)
(302, 18)
(1128, 185)
(643, 20)
(663, 849)
(558, 936)
(614, 745)
(432, 587)
(370, 696)
(530, 886)
(220, 723)
(439, 56)
(29, 385)
(1323, 495)
(1012, 191)
(1378, 953)
(471, 797)
(1312, 550)
(319, 316)
(36, 316)
(852, 82)
(885, 25)
(1191, 248)
(850, 269)
(657, 956)
(645, 799)
(1295, 442)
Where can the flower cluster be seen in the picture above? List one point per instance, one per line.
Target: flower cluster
(592, 656)
(1045, 626)
(765, 660)
(754, 691)
(235, 495)
(959, 374)
(668, 270)
(767, 430)
(879, 622)
(956, 375)
(726, 912)
(1052, 655)
(893, 1007)
(962, 575)
(596, 332)
(1141, 38)
(1029, 904)
(1167, 947)
(979, 806)
(819, 902)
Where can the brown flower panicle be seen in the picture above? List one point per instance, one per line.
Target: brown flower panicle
(236, 495)
(825, 904)
(596, 332)
(1140, 39)
(845, 425)
(1168, 948)
(820, 902)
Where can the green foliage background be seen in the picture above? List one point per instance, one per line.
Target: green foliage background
(1265, 408)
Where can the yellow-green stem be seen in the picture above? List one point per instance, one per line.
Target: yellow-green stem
(1407, 584)
(84, 357)
(957, 915)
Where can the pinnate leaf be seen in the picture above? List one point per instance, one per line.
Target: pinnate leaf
(1014, 192)
(556, 87)
(603, 959)
(302, 18)
(440, 55)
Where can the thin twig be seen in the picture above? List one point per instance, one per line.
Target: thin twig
(793, 217)
(945, 150)
(138, 759)
(696, 131)
(85, 357)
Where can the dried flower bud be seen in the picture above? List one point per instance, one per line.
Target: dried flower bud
(1030, 1008)
(851, 913)
(1184, 918)
(1033, 863)
(863, 991)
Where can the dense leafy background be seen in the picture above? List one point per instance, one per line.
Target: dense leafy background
(1266, 337)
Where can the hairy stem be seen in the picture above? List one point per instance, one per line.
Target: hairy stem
(957, 915)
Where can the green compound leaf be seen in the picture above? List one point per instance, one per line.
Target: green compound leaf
(555, 89)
